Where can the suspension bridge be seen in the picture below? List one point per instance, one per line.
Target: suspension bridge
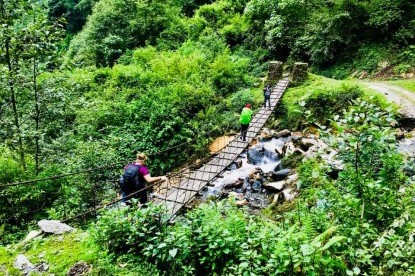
(182, 186)
(177, 195)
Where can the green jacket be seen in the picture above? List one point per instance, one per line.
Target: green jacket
(246, 116)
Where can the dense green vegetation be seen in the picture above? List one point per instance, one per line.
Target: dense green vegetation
(88, 83)
(358, 222)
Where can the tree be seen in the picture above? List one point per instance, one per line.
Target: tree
(75, 12)
(11, 11)
(28, 48)
(118, 25)
(41, 51)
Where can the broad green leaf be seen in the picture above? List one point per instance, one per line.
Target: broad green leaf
(173, 252)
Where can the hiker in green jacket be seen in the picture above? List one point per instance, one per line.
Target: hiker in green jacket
(245, 119)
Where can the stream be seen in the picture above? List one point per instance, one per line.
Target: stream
(255, 165)
(248, 178)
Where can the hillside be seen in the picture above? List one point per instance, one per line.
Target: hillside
(88, 84)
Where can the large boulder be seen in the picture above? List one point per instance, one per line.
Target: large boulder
(54, 226)
(33, 234)
(307, 143)
(282, 133)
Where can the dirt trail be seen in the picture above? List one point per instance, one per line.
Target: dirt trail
(405, 99)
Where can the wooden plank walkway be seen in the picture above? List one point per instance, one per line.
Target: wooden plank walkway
(177, 196)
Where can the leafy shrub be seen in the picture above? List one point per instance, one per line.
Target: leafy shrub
(318, 106)
(311, 174)
(219, 239)
(236, 31)
(129, 230)
(375, 168)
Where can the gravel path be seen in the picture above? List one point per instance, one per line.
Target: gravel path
(405, 99)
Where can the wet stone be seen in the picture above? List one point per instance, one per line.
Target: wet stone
(275, 186)
(281, 174)
(256, 186)
(256, 155)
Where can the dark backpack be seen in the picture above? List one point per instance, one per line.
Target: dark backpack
(130, 180)
(267, 91)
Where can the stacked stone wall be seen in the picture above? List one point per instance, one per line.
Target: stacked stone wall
(299, 73)
(274, 72)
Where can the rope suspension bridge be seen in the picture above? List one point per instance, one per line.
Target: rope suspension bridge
(178, 195)
(183, 186)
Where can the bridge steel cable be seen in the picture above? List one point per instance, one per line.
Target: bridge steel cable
(97, 207)
(179, 174)
(118, 164)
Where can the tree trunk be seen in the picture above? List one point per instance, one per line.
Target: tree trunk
(37, 116)
(14, 104)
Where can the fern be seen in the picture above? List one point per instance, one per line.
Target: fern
(323, 237)
(325, 240)
(309, 228)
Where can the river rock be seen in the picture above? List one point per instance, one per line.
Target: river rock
(230, 179)
(288, 149)
(237, 196)
(297, 135)
(281, 174)
(399, 134)
(256, 186)
(78, 269)
(241, 203)
(238, 163)
(291, 179)
(289, 194)
(307, 142)
(237, 184)
(319, 146)
(275, 186)
(279, 151)
(54, 226)
(265, 137)
(275, 199)
(42, 267)
(282, 133)
(23, 264)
